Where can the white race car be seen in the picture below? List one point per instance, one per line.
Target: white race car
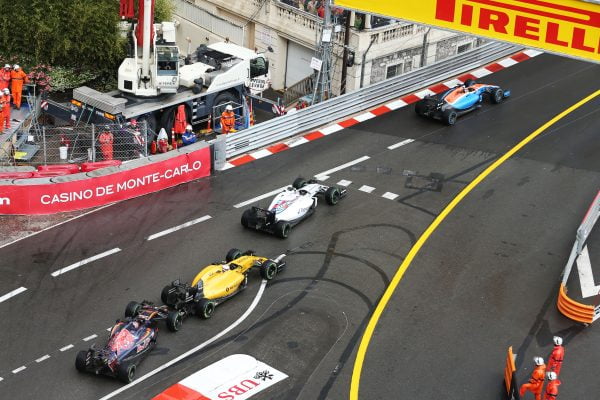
(291, 206)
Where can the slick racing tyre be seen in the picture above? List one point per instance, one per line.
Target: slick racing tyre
(268, 270)
(332, 196)
(449, 117)
(233, 254)
(132, 309)
(80, 361)
(299, 182)
(246, 217)
(126, 372)
(497, 96)
(469, 82)
(282, 229)
(174, 321)
(420, 108)
(206, 308)
(164, 295)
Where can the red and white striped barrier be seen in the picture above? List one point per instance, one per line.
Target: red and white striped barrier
(236, 377)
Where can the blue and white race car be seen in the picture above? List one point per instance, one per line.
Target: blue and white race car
(452, 103)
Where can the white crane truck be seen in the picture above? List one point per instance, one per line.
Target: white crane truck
(154, 80)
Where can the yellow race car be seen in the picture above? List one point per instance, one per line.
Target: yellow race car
(218, 282)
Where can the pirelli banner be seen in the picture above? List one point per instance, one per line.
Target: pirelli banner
(570, 27)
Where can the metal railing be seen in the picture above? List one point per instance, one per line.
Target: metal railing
(336, 108)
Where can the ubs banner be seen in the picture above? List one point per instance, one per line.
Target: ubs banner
(570, 27)
(68, 196)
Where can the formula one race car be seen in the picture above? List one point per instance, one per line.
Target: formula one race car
(218, 282)
(290, 207)
(452, 103)
(129, 342)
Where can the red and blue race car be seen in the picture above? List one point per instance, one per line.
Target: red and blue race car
(449, 105)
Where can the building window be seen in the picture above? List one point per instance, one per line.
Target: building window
(464, 47)
(393, 70)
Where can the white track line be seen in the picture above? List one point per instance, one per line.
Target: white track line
(67, 347)
(16, 371)
(341, 167)
(87, 339)
(1, 379)
(43, 358)
(366, 189)
(195, 349)
(84, 262)
(389, 195)
(257, 198)
(12, 294)
(178, 227)
(344, 182)
(400, 144)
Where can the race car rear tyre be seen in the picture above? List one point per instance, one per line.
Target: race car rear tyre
(233, 254)
(164, 295)
(449, 117)
(420, 108)
(282, 229)
(299, 182)
(497, 96)
(132, 309)
(268, 270)
(469, 82)
(174, 321)
(206, 308)
(246, 216)
(80, 361)
(332, 196)
(126, 372)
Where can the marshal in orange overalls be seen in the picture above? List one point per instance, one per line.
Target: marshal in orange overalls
(227, 121)
(106, 140)
(536, 382)
(556, 359)
(5, 99)
(5, 78)
(17, 77)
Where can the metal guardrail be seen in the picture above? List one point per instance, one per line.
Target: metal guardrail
(336, 108)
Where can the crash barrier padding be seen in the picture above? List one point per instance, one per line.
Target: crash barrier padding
(572, 309)
(51, 173)
(71, 168)
(16, 175)
(510, 380)
(92, 166)
(47, 195)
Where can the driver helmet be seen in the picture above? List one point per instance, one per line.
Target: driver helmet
(538, 360)
(225, 267)
(16, 66)
(229, 107)
(557, 340)
(136, 324)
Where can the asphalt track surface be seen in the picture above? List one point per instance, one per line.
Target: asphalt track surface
(486, 279)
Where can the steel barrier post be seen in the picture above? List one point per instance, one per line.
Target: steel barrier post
(44, 143)
(93, 142)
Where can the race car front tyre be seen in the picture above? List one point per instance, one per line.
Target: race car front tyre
(246, 217)
(497, 95)
(126, 372)
(132, 309)
(233, 254)
(80, 361)
(449, 117)
(282, 229)
(206, 308)
(268, 270)
(299, 182)
(164, 295)
(420, 108)
(332, 196)
(174, 321)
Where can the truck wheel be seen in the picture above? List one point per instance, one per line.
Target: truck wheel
(126, 372)
(246, 216)
(497, 95)
(222, 99)
(167, 120)
(174, 320)
(298, 183)
(449, 117)
(206, 308)
(132, 309)
(332, 196)
(150, 121)
(268, 270)
(80, 361)
(233, 254)
(282, 229)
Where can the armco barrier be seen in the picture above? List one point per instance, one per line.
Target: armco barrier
(571, 309)
(304, 120)
(510, 379)
(84, 190)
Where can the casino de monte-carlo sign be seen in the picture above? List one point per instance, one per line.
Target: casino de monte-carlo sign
(569, 27)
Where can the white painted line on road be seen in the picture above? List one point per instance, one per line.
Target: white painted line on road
(400, 144)
(260, 154)
(87, 339)
(394, 105)
(16, 371)
(423, 93)
(12, 294)
(507, 62)
(389, 195)
(533, 53)
(179, 227)
(227, 166)
(364, 117)
(344, 182)
(43, 358)
(331, 129)
(86, 261)
(339, 168)
(67, 347)
(109, 329)
(1, 379)
(453, 82)
(257, 198)
(366, 189)
(481, 72)
(296, 141)
(323, 178)
(195, 349)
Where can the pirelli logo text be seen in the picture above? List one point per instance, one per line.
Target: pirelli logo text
(559, 26)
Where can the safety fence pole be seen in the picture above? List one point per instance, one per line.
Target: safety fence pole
(93, 143)
(44, 143)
